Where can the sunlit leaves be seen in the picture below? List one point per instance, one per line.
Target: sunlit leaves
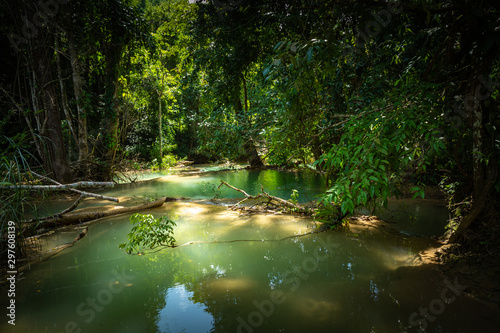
(148, 232)
(378, 149)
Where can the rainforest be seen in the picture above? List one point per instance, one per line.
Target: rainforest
(249, 166)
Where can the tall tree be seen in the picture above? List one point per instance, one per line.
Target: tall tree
(33, 43)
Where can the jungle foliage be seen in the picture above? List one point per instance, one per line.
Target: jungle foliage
(375, 95)
(149, 232)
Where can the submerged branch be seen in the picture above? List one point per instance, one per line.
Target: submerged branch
(70, 244)
(164, 246)
(60, 214)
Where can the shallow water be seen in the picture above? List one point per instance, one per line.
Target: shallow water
(337, 281)
(204, 185)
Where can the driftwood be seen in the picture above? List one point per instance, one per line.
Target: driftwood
(71, 187)
(60, 187)
(57, 215)
(85, 194)
(58, 249)
(280, 202)
(48, 254)
(80, 217)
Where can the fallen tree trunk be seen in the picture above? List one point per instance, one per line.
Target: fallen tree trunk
(60, 187)
(280, 202)
(65, 246)
(83, 193)
(39, 257)
(80, 217)
(60, 214)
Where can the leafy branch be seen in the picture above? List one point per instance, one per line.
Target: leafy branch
(149, 233)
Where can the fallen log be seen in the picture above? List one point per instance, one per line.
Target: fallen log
(60, 214)
(280, 202)
(80, 217)
(39, 257)
(83, 193)
(59, 248)
(60, 187)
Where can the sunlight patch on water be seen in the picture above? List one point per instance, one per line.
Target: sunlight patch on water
(224, 284)
(317, 309)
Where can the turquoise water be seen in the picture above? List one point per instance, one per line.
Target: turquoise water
(204, 185)
(336, 281)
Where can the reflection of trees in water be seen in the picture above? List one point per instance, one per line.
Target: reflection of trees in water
(277, 182)
(341, 292)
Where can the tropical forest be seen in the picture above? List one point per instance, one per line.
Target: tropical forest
(249, 166)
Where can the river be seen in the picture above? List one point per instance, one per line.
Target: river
(362, 280)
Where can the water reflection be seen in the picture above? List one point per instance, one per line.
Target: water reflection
(202, 186)
(181, 314)
(341, 281)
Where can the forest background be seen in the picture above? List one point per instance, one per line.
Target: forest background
(375, 95)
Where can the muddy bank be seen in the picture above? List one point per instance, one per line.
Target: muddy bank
(477, 272)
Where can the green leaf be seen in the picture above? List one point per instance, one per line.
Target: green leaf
(310, 54)
(266, 71)
(148, 232)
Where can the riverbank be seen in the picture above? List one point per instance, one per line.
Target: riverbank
(391, 245)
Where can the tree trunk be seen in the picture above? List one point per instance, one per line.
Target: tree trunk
(245, 92)
(485, 169)
(112, 96)
(64, 97)
(56, 157)
(83, 147)
(62, 187)
(251, 153)
(161, 132)
(113, 123)
(85, 216)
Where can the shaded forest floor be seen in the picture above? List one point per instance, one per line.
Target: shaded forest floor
(479, 270)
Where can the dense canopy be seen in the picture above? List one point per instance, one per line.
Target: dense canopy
(382, 97)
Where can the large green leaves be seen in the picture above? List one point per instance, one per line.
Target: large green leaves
(381, 146)
(149, 232)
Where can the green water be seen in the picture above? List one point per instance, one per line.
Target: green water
(338, 281)
(202, 186)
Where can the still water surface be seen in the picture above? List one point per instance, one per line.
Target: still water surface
(338, 281)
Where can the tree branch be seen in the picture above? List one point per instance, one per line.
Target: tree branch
(60, 187)
(86, 194)
(279, 201)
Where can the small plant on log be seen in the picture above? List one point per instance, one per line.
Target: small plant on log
(294, 198)
(149, 232)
